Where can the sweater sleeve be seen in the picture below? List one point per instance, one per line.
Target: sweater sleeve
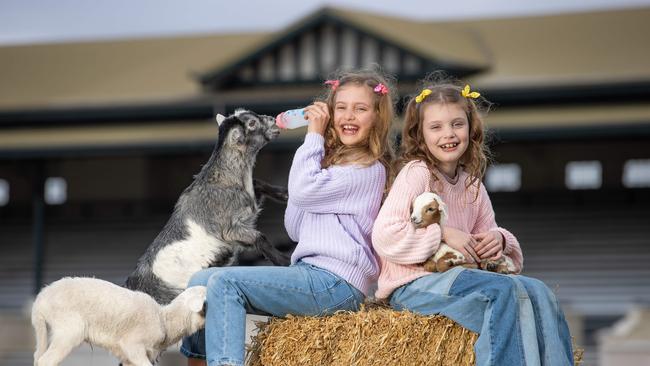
(332, 190)
(486, 222)
(293, 220)
(393, 236)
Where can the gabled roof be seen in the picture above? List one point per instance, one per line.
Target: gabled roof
(434, 46)
(590, 48)
(517, 54)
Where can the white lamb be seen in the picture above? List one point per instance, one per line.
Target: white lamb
(428, 208)
(129, 324)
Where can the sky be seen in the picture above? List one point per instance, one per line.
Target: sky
(48, 21)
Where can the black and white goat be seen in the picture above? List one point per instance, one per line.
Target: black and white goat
(428, 208)
(215, 217)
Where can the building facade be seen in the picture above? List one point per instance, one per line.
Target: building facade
(97, 140)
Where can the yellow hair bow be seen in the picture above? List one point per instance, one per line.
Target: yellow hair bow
(422, 95)
(467, 94)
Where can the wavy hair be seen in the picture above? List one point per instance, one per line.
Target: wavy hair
(447, 90)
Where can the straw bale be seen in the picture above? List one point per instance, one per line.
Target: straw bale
(372, 336)
(378, 336)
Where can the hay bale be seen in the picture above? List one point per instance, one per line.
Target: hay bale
(372, 336)
(377, 336)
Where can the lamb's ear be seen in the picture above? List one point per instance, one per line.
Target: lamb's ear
(442, 207)
(195, 303)
(220, 118)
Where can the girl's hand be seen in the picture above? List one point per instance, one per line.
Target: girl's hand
(462, 242)
(489, 244)
(318, 116)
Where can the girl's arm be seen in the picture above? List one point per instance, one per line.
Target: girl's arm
(486, 222)
(293, 220)
(393, 236)
(331, 190)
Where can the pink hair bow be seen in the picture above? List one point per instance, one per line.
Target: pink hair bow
(381, 89)
(332, 83)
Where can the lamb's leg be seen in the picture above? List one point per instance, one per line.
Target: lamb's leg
(134, 353)
(275, 193)
(503, 265)
(40, 328)
(510, 265)
(430, 265)
(447, 257)
(63, 342)
(138, 362)
(129, 363)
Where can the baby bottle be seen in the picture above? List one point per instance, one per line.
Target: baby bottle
(293, 118)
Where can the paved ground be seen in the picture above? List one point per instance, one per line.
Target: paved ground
(17, 345)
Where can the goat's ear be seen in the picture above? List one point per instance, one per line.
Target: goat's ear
(237, 136)
(195, 303)
(220, 118)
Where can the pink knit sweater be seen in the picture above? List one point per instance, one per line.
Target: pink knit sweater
(402, 248)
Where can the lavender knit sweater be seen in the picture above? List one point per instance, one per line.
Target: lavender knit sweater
(331, 211)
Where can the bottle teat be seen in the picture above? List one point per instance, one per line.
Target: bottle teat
(290, 119)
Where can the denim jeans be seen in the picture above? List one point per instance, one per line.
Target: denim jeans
(518, 318)
(301, 289)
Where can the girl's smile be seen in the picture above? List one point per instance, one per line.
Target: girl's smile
(449, 147)
(349, 129)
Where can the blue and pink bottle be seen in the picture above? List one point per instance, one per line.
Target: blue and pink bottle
(290, 119)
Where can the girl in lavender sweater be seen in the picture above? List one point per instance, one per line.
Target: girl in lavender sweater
(336, 184)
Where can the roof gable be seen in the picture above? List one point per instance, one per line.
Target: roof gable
(333, 39)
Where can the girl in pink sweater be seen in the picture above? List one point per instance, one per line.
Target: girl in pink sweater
(518, 318)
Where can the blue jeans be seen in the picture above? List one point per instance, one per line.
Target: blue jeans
(301, 289)
(518, 318)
